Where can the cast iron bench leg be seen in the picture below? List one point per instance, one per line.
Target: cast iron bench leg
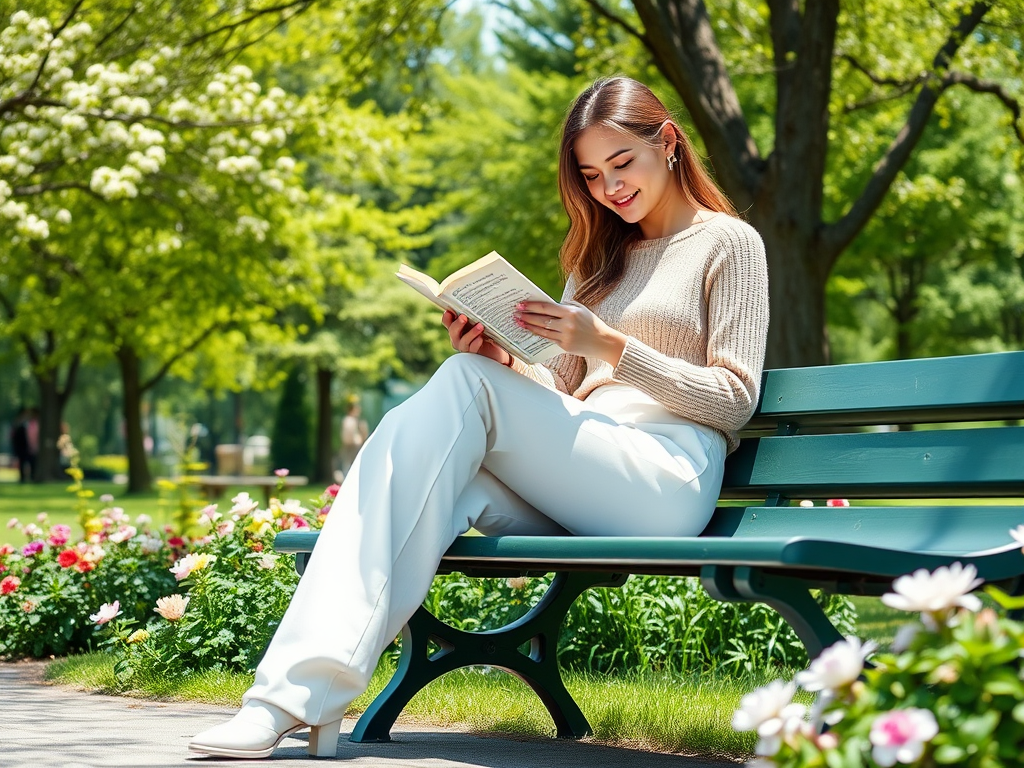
(494, 648)
(787, 595)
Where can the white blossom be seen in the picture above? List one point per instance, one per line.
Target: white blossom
(837, 666)
(770, 712)
(945, 588)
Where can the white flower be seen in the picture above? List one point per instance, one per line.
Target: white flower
(770, 712)
(899, 736)
(123, 534)
(107, 612)
(806, 503)
(265, 560)
(143, 519)
(209, 514)
(837, 666)
(905, 636)
(945, 588)
(243, 504)
(150, 544)
(225, 528)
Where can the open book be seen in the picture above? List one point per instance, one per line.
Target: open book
(487, 291)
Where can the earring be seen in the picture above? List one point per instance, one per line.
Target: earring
(671, 163)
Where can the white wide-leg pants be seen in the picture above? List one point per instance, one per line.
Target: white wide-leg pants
(479, 446)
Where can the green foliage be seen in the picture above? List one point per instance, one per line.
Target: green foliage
(291, 439)
(652, 624)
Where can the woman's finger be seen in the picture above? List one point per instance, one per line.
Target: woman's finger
(543, 308)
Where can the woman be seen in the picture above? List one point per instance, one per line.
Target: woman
(663, 324)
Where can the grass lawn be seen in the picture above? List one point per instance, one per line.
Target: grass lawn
(690, 715)
(26, 501)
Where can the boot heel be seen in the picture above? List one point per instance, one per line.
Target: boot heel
(323, 739)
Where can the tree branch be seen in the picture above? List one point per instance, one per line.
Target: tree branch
(155, 378)
(987, 86)
(681, 40)
(247, 20)
(880, 80)
(618, 21)
(835, 237)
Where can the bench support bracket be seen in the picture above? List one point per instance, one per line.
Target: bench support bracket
(499, 648)
(787, 595)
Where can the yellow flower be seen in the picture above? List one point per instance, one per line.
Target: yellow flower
(75, 473)
(93, 525)
(138, 636)
(165, 485)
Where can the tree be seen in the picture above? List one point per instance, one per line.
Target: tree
(115, 110)
(827, 66)
(290, 441)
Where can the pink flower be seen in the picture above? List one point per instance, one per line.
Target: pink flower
(332, 490)
(59, 535)
(9, 584)
(324, 510)
(106, 498)
(837, 503)
(107, 612)
(123, 533)
(298, 524)
(32, 548)
(6, 549)
(900, 735)
(281, 472)
(225, 528)
(12, 523)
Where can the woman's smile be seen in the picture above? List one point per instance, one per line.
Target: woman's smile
(625, 201)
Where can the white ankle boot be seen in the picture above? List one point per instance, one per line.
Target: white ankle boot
(256, 731)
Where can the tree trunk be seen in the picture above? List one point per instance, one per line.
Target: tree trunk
(796, 328)
(324, 427)
(50, 412)
(139, 478)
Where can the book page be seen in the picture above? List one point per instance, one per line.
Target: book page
(492, 297)
(423, 284)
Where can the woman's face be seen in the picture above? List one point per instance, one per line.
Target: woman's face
(623, 173)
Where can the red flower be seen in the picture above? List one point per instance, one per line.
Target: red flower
(837, 503)
(6, 549)
(9, 584)
(84, 566)
(257, 546)
(176, 541)
(332, 490)
(2, 568)
(67, 558)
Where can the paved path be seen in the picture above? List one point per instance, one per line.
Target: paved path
(45, 725)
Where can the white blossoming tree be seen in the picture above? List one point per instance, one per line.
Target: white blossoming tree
(143, 183)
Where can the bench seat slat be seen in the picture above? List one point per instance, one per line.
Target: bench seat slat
(929, 463)
(847, 550)
(962, 388)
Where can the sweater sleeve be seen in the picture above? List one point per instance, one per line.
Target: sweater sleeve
(723, 393)
(563, 372)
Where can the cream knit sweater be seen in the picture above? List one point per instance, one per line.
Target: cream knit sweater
(694, 307)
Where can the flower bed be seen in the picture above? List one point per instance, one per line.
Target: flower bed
(951, 692)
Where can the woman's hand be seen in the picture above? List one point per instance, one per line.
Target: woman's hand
(467, 337)
(574, 328)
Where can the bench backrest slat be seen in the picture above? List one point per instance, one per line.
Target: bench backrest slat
(964, 388)
(923, 464)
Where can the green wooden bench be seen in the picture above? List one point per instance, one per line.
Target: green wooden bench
(798, 445)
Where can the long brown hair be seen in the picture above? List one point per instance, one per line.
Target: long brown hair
(593, 251)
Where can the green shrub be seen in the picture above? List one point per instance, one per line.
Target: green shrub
(653, 623)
